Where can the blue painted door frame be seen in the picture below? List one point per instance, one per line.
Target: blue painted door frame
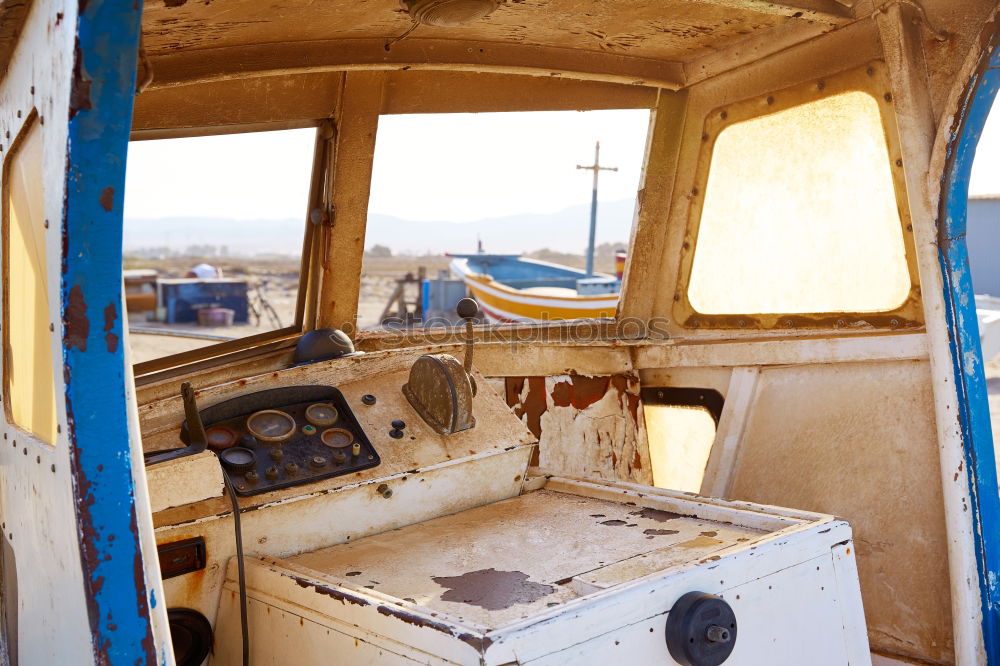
(100, 119)
(960, 307)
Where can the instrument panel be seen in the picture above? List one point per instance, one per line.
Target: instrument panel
(285, 437)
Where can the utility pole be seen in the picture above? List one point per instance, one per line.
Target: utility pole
(596, 168)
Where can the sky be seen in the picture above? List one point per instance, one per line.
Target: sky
(986, 169)
(494, 165)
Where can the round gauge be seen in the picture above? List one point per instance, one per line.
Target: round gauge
(337, 438)
(271, 425)
(238, 459)
(321, 414)
(220, 437)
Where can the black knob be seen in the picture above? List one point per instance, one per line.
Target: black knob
(238, 459)
(701, 630)
(398, 424)
(396, 433)
(467, 309)
(368, 399)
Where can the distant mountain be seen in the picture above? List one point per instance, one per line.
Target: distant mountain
(565, 230)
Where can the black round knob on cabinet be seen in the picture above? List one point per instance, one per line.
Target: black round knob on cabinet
(398, 424)
(238, 459)
(701, 630)
(396, 433)
(368, 399)
(467, 309)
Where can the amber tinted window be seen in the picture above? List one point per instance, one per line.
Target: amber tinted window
(28, 369)
(680, 428)
(800, 215)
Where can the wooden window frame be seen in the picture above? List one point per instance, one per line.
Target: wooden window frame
(175, 364)
(872, 79)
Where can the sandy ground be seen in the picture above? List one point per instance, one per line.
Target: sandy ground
(276, 282)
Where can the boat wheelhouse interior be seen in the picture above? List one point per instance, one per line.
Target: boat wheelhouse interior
(772, 447)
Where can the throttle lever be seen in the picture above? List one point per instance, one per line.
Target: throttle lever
(196, 430)
(468, 310)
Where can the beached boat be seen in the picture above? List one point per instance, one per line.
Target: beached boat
(509, 287)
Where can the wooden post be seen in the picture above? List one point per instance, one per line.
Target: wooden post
(653, 209)
(357, 124)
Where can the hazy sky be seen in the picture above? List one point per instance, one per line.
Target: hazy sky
(492, 165)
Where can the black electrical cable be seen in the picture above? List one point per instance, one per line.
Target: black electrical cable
(239, 568)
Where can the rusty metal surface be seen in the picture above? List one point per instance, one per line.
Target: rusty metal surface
(668, 29)
(586, 426)
(441, 391)
(486, 568)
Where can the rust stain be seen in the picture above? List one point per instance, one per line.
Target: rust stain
(580, 392)
(636, 460)
(699, 542)
(108, 198)
(479, 643)
(79, 95)
(491, 589)
(339, 595)
(652, 532)
(75, 320)
(533, 406)
(658, 515)
(110, 315)
(709, 534)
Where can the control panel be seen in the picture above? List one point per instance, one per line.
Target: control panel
(285, 437)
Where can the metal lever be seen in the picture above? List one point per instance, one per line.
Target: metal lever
(468, 310)
(196, 430)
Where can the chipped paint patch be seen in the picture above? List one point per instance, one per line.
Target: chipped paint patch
(75, 320)
(110, 338)
(586, 426)
(492, 589)
(658, 515)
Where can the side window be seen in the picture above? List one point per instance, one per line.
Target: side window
(680, 428)
(29, 382)
(213, 239)
(803, 218)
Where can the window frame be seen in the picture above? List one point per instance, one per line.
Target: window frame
(30, 124)
(181, 363)
(872, 79)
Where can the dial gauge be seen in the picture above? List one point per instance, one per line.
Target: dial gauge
(271, 425)
(220, 437)
(321, 414)
(337, 438)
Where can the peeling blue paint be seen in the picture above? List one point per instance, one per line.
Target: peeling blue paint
(99, 124)
(970, 380)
